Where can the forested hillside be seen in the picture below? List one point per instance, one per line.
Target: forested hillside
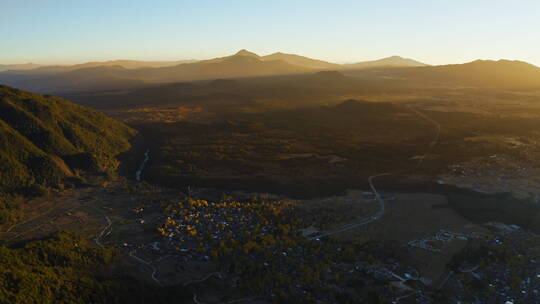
(45, 141)
(62, 269)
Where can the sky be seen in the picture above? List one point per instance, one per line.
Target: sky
(431, 31)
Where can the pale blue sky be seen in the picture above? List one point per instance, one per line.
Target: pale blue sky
(433, 31)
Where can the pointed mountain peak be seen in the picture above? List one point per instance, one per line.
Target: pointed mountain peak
(244, 52)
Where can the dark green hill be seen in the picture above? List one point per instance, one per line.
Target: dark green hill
(66, 268)
(44, 139)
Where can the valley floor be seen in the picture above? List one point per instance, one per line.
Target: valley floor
(422, 230)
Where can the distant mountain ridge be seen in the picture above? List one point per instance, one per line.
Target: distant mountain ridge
(241, 64)
(23, 66)
(393, 61)
(122, 74)
(293, 59)
(127, 64)
(114, 75)
(302, 61)
(99, 78)
(484, 73)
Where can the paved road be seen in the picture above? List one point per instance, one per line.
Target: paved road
(139, 172)
(363, 221)
(472, 269)
(380, 213)
(108, 227)
(218, 274)
(154, 269)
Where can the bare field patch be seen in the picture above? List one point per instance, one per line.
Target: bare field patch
(157, 114)
(416, 215)
(336, 211)
(413, 216)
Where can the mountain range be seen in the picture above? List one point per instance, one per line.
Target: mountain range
(31, 68)
(483, 73)
(293, 59)
(18, 67)
(128, 75)
(122, 74)
(394, 61)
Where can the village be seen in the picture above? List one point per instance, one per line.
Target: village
(503, 268)
(261, 248)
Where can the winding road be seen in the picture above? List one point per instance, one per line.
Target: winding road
(218, 274)
(154, 269)
(363, 221)
(139, 172)
(108, 227)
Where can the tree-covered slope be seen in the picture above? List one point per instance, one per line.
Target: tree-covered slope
(66, 268)
(44, 139)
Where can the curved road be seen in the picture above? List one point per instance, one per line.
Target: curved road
(154, 269)
(131, 253)
(363, 221)
(218, 274)
(139, 172)
(98, 238)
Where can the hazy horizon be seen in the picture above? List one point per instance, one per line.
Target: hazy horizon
(83, 61)
(65, 32)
